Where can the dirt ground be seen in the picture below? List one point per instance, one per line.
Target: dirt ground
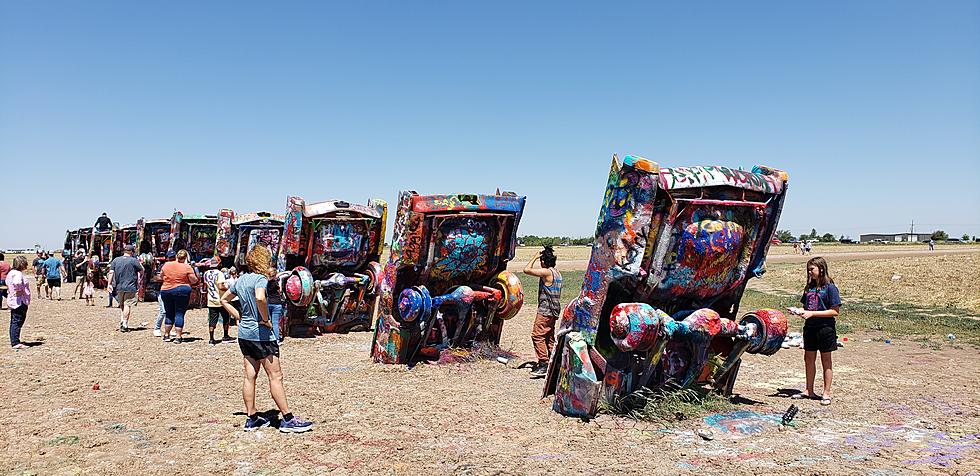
(899, 408)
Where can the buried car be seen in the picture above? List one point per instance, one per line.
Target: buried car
(446, 284)
(674, 249)
(328, 263)
(239, 233)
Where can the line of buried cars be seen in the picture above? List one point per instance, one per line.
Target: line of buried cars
(674, 248)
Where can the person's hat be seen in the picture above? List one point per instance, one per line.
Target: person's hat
(128, 247)
(171, 254)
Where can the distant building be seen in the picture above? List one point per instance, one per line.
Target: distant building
(898, 237)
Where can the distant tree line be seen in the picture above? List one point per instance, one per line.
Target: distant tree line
(786, 235)
(534, 240)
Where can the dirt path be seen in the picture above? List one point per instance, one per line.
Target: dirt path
(581, 264)
(175, 409)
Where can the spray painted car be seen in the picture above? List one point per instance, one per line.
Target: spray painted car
(328, 260)
(153, 242)
(198, 235)
(674, 249)
(126, 235)
(238, 234)
(446, 284)
(72, 248)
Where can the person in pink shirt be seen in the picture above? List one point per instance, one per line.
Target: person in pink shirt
(18, 298)
(4, 269)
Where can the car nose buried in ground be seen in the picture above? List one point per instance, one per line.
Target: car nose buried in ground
(445, 284)
(331, 251)
(674, 249)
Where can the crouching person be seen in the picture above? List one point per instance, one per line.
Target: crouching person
(258, 342)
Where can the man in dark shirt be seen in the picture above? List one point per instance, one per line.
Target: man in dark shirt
(103, 223)
(124, 278)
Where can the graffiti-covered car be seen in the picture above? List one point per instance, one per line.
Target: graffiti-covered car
(446, 284)
(239, 233)
(197, 234)
(328, 262)
(658, 307)
(152, 244)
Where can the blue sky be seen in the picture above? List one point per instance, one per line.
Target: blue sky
(138, 108)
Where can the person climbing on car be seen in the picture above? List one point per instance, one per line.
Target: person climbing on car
(549, 307)
(103, 223)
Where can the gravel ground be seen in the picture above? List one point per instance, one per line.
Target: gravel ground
(899, 408)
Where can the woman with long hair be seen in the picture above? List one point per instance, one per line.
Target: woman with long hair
(258, 342)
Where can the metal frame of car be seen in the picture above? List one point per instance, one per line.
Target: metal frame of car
(445, 283)
(328, 263)
(658, 306)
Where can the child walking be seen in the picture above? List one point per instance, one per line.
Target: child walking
(821, 303)
(88, 291)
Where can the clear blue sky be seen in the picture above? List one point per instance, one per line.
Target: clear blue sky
(138, 108)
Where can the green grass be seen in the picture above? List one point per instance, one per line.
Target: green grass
(922, 324)
(571, 284)
(666, 407)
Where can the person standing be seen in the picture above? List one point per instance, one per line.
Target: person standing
(258, 343)
(4, 270)
(39, 270)
(123, 279)
(178, 277)
(54, 271)
(214, 279)
(18, 299)
(932, 244)
(549, 307)
(276, 305)
(821, 306)
(161, 311)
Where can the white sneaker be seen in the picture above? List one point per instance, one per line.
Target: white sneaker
(157, 333)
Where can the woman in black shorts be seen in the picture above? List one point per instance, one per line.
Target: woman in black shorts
(821, 303)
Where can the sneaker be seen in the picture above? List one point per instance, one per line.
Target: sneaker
(18, 347)
(167, 339)
(539, 370)
(228, 339)
(177, 340)
(157, 333)
(123, 328)
(296, 425)
(252, 424)
(213, 342)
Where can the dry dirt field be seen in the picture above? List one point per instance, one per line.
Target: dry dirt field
(940, 280)
(900, 408)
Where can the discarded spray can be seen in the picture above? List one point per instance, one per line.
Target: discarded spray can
(790, 414)
(951, 336)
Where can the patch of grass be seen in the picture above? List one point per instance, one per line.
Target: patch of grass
(894, 320)
(667, 406)
(571, 284)
(63, 440)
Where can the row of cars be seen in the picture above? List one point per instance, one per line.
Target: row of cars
(658, 307)
(449, 255)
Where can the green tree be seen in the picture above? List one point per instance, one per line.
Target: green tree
(813, 233)
(827, 238)
(939, 235)
(784, 235)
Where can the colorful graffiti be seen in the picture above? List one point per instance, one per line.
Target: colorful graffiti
(448, 272)
(766, 180)
(328, 260)
(658, 305)
(463, 249)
